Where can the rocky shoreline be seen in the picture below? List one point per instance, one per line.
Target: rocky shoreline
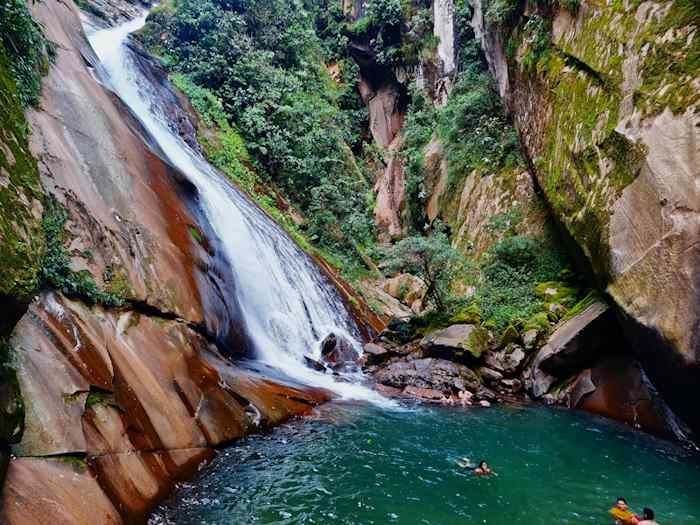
(583, 364)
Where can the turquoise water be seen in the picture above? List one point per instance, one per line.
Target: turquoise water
(363, 465)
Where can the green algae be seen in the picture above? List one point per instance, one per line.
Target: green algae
(21, 239)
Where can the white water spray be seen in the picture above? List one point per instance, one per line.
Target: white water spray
(288, 307)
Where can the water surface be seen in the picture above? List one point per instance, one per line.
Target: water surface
(366, 465)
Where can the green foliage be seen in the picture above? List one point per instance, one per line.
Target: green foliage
(21, 237)
(537, 36)
(510, 273)
(432, 259)
(472, 127)
(26, 48)
(419, 128)
(254, 68)
(56, 271)
(501, 11)
(475, 130)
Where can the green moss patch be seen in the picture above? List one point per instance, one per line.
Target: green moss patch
(21, 237)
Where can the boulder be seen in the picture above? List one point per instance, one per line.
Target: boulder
(314, 365)
(530, 338)
(507, 361)
(406, 288)
(375, 350)
(431, 373)
(489, 375)
(338, 349)
(427, 394)
(575, 345)
(456, 340)
(374, 354)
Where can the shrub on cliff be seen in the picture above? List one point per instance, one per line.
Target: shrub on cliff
(432, 259)
(510, 274)
(26, 48)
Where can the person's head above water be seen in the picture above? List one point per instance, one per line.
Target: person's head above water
(483, 465)
(648, 514)
(621, 503)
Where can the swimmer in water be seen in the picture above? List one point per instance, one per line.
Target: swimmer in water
(482, 469)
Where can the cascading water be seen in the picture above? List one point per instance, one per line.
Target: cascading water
(287, 306)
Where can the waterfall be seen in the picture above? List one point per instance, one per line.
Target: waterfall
(288, 307)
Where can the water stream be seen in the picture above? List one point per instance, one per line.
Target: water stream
(287, 306)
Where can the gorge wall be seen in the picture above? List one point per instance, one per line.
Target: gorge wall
(117, 379)
(605, 100)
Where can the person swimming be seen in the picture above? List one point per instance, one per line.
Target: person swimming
(648, 517)
(482, 469)
(622, 514)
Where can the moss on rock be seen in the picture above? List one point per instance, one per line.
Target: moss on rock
(21, 238)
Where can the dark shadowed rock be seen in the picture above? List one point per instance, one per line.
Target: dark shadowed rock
(338, 349)
(314, 365)
(617, 388)
(577, 344)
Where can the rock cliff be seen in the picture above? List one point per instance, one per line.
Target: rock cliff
(118, 382)
(605, 99)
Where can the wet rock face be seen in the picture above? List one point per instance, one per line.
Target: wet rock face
(336, 349)
(139, 400)
(614, 133)
(121, 403)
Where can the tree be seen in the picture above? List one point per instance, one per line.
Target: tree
(432, 259)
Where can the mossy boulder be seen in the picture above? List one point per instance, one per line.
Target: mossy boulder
(509, 335)
(554, 292)
(458, 339)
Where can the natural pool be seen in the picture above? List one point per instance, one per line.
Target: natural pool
(365, 465)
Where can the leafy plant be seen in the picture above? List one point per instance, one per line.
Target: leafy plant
(432, 259)
(510, 273)
(537, 38)
(501, 11)
(28, 51)
(55, 269)
(256, 70)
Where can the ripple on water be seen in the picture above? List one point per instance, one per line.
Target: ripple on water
(364, 465)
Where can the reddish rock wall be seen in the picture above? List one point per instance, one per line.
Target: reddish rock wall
(120, 403)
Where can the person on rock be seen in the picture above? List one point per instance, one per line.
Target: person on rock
(648, 517)
(622, 514)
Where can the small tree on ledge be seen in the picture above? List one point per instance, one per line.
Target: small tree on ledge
(432, 258)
